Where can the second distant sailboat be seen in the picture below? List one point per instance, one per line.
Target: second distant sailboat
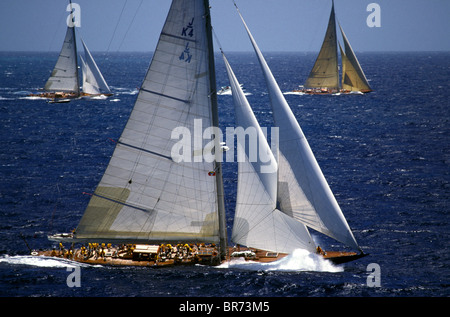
(324, 76)
(63, 83)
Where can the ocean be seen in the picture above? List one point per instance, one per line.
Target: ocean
(386, 156)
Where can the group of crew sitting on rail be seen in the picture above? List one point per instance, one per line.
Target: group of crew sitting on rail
(165, 251)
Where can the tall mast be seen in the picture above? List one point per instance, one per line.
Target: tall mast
(215, 121)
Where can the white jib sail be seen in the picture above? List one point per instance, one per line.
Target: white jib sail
(303, 192)
(146, 194)
(93, 80)
(88, 88)
(359, 78)
(257, 222)
(64, 76)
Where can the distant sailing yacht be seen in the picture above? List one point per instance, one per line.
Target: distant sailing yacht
(324, 76)
(64, 83)
(155, 206)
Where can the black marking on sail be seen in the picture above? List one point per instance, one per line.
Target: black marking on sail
(166, 96)
(189, 29)
(144, 150)
(121, 203)
(179, 37)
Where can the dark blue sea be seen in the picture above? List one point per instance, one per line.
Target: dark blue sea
(386, 156)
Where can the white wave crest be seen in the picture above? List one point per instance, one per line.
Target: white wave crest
(299, 261)
(298, 93)
(39, 261)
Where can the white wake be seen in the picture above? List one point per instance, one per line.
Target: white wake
(39, 261)
(299, 261)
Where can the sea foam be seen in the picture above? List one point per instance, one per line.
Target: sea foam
(299, 261)
(38, 261)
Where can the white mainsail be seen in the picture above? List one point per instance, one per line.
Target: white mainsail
(64, 76)
(146, 195)
(303, 192)
(257, 221)
(93, 81)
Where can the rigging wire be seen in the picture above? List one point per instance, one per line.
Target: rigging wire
(55, 32)
(217, 39)
(129, 26)
(117, 24)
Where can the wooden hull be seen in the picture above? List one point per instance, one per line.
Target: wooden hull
(203, 256)
(337, 257)
(96, 95)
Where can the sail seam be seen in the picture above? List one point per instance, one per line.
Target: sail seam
(121, 203)
(178, 37)
(144, 150)
(163, 95)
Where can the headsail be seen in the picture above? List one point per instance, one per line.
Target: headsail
(88, 88)
(257, 222)
(147, 194)
(325, 70)
(93, 81)
(303, 192)
(64, 76)
(353, 77)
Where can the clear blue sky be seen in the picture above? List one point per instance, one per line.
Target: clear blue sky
(277, 25)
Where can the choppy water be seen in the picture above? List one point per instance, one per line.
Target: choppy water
(385, 155)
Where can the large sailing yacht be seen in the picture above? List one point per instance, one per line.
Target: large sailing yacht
(324, 76)
(157, 205)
